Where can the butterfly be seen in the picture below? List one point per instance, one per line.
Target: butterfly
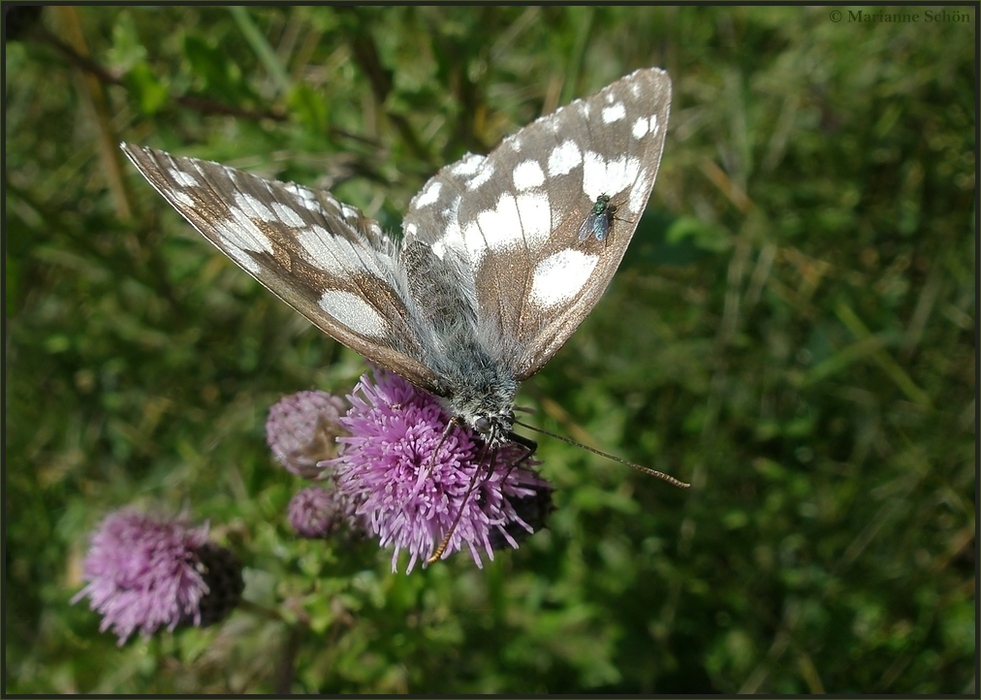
(502, 256)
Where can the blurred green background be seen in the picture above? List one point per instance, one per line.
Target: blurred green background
(792, 331)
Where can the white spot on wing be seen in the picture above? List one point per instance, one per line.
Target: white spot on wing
(184, 179)
(536, 217)
(560, 277)
(253, 208)
(181, 198)
(528, 174)
(453, 238)
(287, 215)
(473, 239)
(246, 261)
(501, 226)
(429, 194)
(614, 113)
(354, 312)
(314, 241)
(439, 249)
(640, 192)
(601, 176)
(564, 158)
(466, 166)
(640, 128)
(485, 174)
(324, 250)
(308, 198)
(239, 233)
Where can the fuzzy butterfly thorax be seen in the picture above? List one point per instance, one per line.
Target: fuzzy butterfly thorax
(473, 386)
(502, 256)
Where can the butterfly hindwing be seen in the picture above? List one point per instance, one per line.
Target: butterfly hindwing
(510, 222)
(323, 258)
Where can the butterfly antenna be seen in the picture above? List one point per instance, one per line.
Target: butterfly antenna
(633, 465)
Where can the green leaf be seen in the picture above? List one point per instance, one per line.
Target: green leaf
(705, 236)
(309, 108)
(149, 94)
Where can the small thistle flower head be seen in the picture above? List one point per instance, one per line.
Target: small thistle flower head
(302, 430)
(146, 572)
(409, 474)
(316, 512)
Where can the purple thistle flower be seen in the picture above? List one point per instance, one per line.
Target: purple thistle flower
(408, 492)
(315, 512)
(145, 572)
(302, 429)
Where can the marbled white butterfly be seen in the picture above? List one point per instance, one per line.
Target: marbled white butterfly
(501, 259)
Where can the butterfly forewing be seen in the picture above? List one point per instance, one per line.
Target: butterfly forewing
(511, 221)
(323, 258)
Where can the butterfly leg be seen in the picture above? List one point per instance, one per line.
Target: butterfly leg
(424, 474)
(444, 543)
(530, 445)
(524, 442)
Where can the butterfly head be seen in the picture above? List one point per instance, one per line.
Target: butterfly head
(495, 430)
(483, 400)
(491, 417)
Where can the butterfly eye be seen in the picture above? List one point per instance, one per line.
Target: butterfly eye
(482, 425)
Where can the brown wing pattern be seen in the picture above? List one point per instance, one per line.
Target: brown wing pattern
(323, 258)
